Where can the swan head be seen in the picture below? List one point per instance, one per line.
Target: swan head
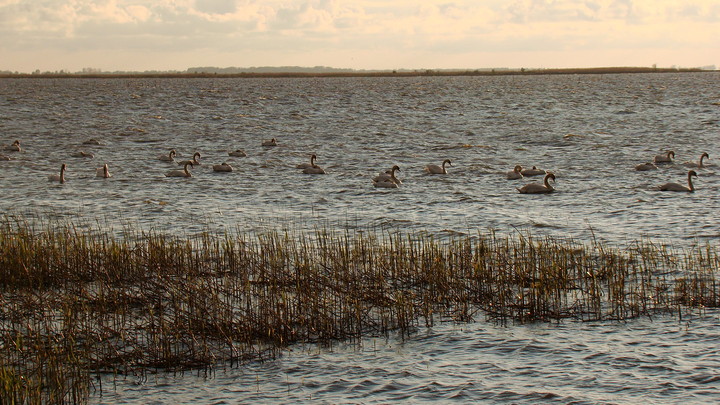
(671, 154)
(16, 143)
(447, 161)
(396, 167)
(518, 168)
(196, 155)
(173, 153)
(549, 176)
(704, 155)
(692, 173)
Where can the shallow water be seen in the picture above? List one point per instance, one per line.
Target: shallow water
(590, 130)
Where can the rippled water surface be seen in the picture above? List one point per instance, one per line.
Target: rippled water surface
(590, 130)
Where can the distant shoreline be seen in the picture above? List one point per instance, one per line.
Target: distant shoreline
(388, 73)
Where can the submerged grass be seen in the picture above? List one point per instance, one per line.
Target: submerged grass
(78, 303)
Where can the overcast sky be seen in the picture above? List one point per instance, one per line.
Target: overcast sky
(143, 35)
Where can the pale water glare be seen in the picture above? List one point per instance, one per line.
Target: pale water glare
(590, 130)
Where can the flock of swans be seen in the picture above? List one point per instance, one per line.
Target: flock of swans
(386, 179)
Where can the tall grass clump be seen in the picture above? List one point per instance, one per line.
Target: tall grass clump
(77, 303)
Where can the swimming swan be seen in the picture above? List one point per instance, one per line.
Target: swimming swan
(59, 177)
(667, 158)
(170, 157)
(643, 167)
(13, 147)
(193, 162)
(314, 169)
(103, 171)
(223, 167)
(680, 187)
(271, 142)
(435, 169)
(180, 173)
(388, 176)
(535, 188)
(515, 173)
(532, 172)
(699, 163)
(306, 165)
(237, 153)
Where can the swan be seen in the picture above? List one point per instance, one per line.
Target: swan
(91, 142)
(170, 157)
(59, 177)
(435, 169)
(237, 153)
(667, 158)
(532, 172)
(388, 176)
(535, 188)
(82, 154)
(193, 162)
(699, 163)
(223, 167)
(306, 165)
(13, 147)
(271, 142)
(680, 187)
(515, 173)
(643, 167)
(180, 173)
(103, 171)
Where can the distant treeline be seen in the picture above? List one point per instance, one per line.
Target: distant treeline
(200, 72)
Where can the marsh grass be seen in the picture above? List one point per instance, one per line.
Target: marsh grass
(79, 302)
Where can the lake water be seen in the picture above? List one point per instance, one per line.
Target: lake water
(589, 130)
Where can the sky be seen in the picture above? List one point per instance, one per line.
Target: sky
(142, 35)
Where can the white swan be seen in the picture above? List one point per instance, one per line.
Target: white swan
(237, 153)
(271, 142)
(435, 169)
(223, 167)
(667, 158)
(535, 188)
(515, 173)
(59, 177)
(103, 171)
(170, 157)
(643, 167)
(193, 162)
(699, 164)
(679, 187)
(388, 176)
(82, 154)
(13, 147)
(532, 172)
(180, 173)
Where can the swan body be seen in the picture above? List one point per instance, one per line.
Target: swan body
(170, 157)
(435, 169)
(59, 177)
(82, 154)
(679, 187)
(667, 158)
(193, 162)
(699, 163)
(385, 184)
(13, 147)
(223, 167)
(237, 153)
(271, 142)
(388, 176)
(515, 173)
(535, 188)
(103, 172)
(180, 173)
(532, 172)
(643, 167)
(91, 142)
(314, 170)
(3, 157)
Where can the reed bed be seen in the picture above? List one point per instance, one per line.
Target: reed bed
(78, 303)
